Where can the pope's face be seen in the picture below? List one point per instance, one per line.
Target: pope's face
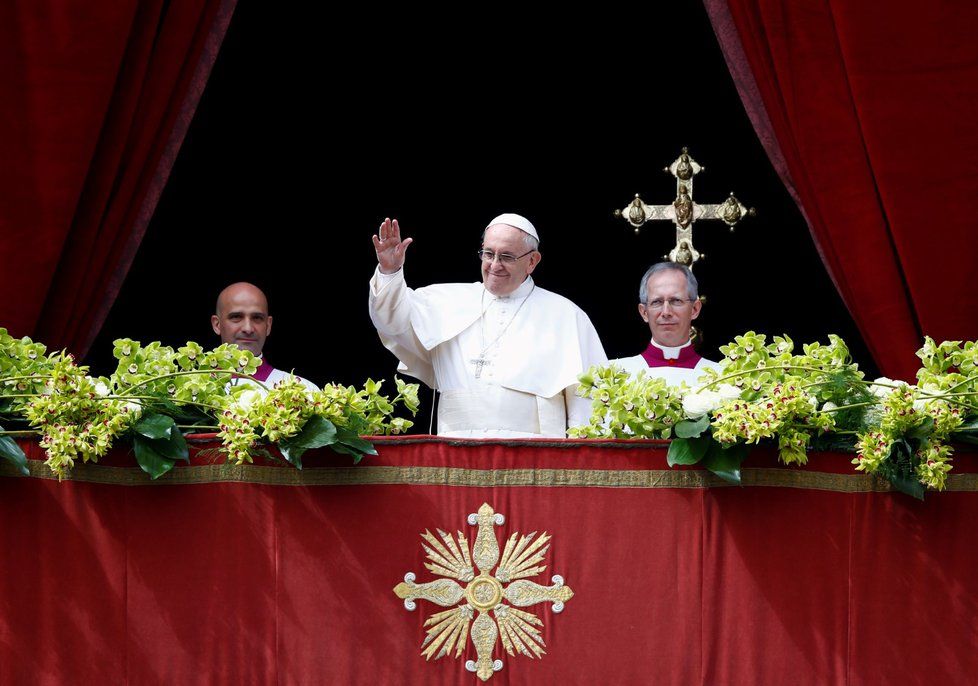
(502, 278)
(242, 318)
(669, 325)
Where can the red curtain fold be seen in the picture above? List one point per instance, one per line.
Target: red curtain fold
(96, 100)
(867, 112)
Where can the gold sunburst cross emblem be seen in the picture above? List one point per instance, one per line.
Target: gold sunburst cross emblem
(501, 593)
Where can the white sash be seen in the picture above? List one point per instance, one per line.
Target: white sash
(495, 408)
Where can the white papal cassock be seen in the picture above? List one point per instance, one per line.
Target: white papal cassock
(534, 344)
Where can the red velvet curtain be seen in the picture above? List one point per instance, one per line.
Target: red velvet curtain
(868, 111)
(95, 99)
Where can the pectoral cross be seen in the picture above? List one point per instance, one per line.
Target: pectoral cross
(479, 363)
(683, 212)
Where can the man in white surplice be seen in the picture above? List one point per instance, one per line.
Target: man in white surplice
(505, 354)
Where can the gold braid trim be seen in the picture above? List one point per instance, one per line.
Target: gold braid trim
(456, 476)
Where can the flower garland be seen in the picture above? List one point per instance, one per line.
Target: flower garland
(157, 394)
(764, 391)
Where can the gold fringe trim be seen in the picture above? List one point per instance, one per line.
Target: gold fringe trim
(483, 478)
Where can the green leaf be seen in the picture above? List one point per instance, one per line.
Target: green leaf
(922, 430)
(901, 458)
(909, 485)
(13, 454)
(348, 442)
(833, 442)
(964, 438)
(351, 439)
(691, 429)
(317, 433)
(347, 450)
(174, 447)
(969, 426)
(725, 462)
(688, 450)
(899, 470)
(155, 426)
(149, 459)
(183, 414)
(292, 456)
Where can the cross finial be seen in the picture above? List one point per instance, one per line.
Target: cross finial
(683, 212)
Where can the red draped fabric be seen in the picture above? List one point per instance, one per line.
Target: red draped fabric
(868, 112)
(95, 99)
(263, 574)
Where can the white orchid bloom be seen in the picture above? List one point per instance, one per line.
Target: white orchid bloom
(728, 391)
(247, 398)
(884, 391)
(696, 405)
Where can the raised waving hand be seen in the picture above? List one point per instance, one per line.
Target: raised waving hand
(389, 246)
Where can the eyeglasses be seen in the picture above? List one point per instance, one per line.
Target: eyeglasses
(504, 257)
(674, 303)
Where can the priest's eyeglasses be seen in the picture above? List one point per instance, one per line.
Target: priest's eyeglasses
(674, 303)
(504, 257)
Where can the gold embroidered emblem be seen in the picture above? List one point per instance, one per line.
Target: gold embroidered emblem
(500, 593)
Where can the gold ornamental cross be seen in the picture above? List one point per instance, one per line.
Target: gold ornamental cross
(495, 595)
(683, 212)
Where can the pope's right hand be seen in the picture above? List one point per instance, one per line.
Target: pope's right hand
(389, 246)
